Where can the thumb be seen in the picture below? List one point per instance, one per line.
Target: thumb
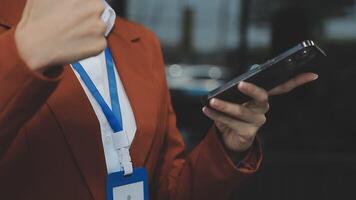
(293, 83)
(26, 12)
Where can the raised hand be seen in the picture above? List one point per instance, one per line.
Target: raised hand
(56, 32)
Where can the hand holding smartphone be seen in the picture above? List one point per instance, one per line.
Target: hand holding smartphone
(269, 74)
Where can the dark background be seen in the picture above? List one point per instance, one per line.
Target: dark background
(309, 140)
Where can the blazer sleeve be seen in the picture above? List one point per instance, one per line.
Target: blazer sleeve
(22, 91)
(207, 172)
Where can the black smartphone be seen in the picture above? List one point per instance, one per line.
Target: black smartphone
(269, 74)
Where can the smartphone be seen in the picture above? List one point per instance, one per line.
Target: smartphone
(269, 74)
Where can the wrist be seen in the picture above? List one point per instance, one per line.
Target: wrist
(236, 157)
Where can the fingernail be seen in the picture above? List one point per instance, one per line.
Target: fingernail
(241, 85)
(316, 76)
(205, 110)
(213, 102)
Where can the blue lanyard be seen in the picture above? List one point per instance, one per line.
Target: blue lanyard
(112, 115)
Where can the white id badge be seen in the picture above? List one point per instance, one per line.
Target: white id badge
(132, 187)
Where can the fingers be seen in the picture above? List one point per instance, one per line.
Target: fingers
(242, 128)
(257, 108)
(258, 94)
(295, 82)
(259, 103)
(240, 112)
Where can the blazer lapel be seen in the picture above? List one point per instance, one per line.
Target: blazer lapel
(134, 67)
(81, 128)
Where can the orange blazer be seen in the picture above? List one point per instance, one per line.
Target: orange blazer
(50, 143)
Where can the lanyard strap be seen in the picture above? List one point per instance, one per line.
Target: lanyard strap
(112, 115)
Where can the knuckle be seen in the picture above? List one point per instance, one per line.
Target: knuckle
(98, 28)
(96, 7)
(103, 43)
(216, 119)
(101, 26)
(224, 107)
(263, 120)
(93, 32)
(90, 6)
(251, 133)
(100, 45)
(100, 7)
(239, 111)
(268, 107)
(251, 89)
(264, 96)
(229, 120)
(295, 82)
(243, 140)
(247, 137)
(285, 88)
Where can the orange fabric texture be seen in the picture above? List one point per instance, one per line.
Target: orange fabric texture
(50, 143)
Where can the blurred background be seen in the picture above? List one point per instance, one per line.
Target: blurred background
(309, 140)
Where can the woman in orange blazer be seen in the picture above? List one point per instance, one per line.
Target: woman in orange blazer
(50, 144)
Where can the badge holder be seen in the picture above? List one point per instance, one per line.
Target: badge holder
(131, 187)
(129, 183)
